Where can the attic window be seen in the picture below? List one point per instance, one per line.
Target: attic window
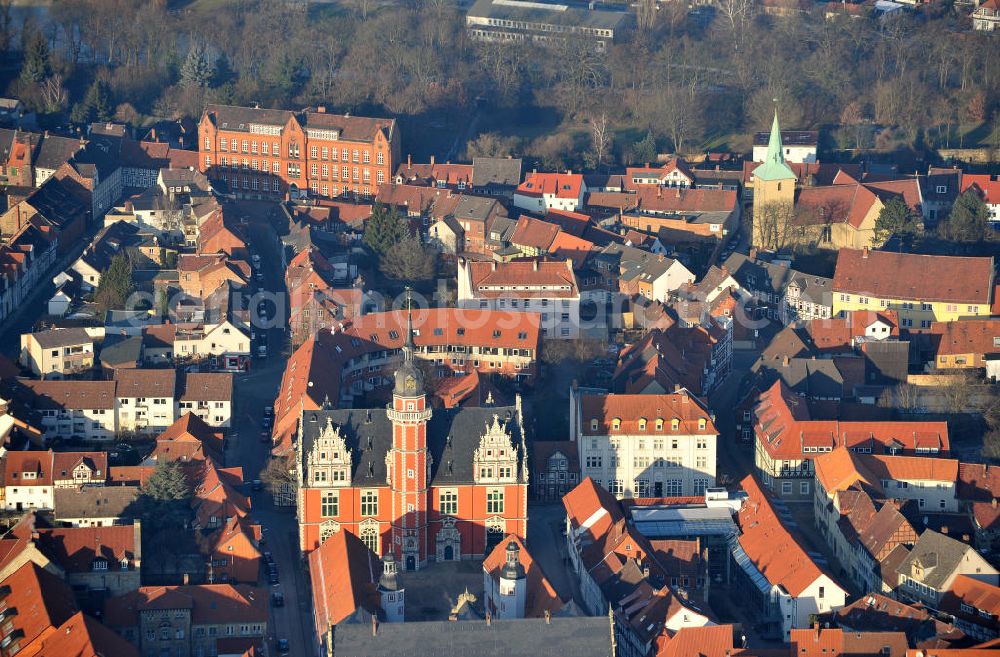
(393, 334)
(701, 423)
(438, 331)
(522, 335)
(675, 424)
(642, 424)
(616, 424)
(461, 331)
(659, 424)
(593, 424)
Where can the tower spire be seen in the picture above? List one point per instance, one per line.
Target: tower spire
(408, 347)
(775, 149)
(409, 378)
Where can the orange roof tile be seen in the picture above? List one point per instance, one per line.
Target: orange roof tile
(774, 551)
(560, 185)
(540, 596)
(630, 410)
(707, 641)
(496, 279)
(908, 276)
(344, 575)
(591, 509)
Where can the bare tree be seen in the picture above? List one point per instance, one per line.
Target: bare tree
(737, 15)
(645, 14)
(958, 393)
(54, 94)
(601, 133)
(503, 63)
(773, 225)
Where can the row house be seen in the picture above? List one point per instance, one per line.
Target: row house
(858, 501)
(555, 469)
(360, 356)
(787, 440)
(633, 271)
(73, 408)
(315, 301)
(208, 396)
(779, 292)
(979, 491)
(435, 174)
(548, 289)
(54, 353)
(221, 232)
(60, 207)
(189, 619)
(31, 478)
(263, 153)
(226, 533)
(33, 158)
(785, 586)
(201, 274)
(651, 445)
(697, 358)
(224, 345)
(698, 213)
(975, 607)
(422, 484)
(145, 399)
(922, 289)
(117, 238)
(965, 344)
(26, 258)
(142, 162)
(619, 570)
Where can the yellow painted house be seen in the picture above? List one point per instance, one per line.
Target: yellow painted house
(922, 289)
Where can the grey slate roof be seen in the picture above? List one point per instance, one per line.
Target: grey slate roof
(580, 636)
(94, 501)
(54, 151)
(940, 555)
(119, 351)
(496, 171)
(452, 438)
(54, 338)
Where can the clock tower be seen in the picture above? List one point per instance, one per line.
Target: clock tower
(407, 462)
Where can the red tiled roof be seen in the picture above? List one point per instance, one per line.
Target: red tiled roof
(591, 508)
(980, 595)
(344, 573)
(771, 547)
(534, 233)
(572, 248)
(968, 336)
(560, 185)
(985, 185)
(188, 438)
(834, 642)
(678, 199)
(907, 189)
(145, 382)
(908, 276)
(18, 463)
(848, 204)
(630, 410)
(82, 636)
(784, 429)
(707, 641)
(43, 601)
(557, 278)
(574, 223)
(210, 604)
(76, 548)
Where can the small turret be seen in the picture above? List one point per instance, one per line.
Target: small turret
(513, 585)
(391, 591)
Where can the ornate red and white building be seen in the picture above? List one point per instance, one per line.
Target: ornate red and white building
(426, 485)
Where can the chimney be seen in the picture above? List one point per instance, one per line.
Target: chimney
(321, 109)
(374, 625)
(548, 617)
(432, 160)
(864, 253)
(493, 266)
(944, 529)
(489, 619)
(678, 192)
(534, 265)
(784, 361)
(409, 160)
(185, 579)
(659, 192)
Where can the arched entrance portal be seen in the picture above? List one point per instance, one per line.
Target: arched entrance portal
(411, 562)
(449, 553)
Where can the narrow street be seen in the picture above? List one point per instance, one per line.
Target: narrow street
(254, 392)
(734, 456)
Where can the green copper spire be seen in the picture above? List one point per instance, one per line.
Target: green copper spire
(774, 166)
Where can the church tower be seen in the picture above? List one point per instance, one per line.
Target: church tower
(773, 195)
(407, 461)
(392, 595)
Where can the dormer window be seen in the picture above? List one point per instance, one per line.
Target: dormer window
(642, 424)
(593, 424)
(616, 424)
(100, 564)
(675, 424)
(659, 424)
(124, 563)
(701, 423)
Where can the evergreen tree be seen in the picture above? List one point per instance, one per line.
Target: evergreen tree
(197, 71)
(36, 59)
(644, 150)
(969, 219)
(898, 219)
(223, 71)
(163, 499)
(98, 102)
(385, 229)
(116, 284)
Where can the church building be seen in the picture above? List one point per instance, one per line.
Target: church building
(423, 485)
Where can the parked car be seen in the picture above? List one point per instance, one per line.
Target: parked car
(282, 645)
(257, 484)
(273, 577)
(268, 411)
(278, 599)
(262, 351)
(268, 557)
(265, 436)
